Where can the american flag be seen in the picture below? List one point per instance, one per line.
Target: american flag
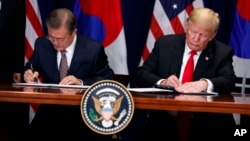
(169, 17)
(33, 30)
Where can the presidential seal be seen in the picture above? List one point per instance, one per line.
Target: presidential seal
(107, 107)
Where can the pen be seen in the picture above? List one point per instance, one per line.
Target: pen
(31, 67)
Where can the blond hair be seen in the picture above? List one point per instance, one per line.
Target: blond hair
(205, 18)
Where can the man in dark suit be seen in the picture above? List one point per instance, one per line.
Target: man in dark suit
(213, 70)
(86, 63)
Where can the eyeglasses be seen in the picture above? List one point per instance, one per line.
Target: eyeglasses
(56, 40)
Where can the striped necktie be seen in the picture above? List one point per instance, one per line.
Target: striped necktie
(63, 67)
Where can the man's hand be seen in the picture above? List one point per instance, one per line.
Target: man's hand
(30, 76)
(171, 81)
(193, 87)
(16, 77)
(30, 89)
(70, 80)
(190, 97)
(70, 91)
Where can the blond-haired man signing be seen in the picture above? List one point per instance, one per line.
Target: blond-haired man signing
(210, 65)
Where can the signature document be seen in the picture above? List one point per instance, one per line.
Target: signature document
(50, 85)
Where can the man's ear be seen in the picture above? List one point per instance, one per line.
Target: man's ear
(186, 26)
(75, 31)
(213, 36)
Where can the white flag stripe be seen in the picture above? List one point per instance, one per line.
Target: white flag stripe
(149, 44)
(150, 41)
(117, 54)
(165, 24)
(31, 114)
(162, 19)
(36, 8)
(241, 67)
(31, 36)
(198, 3)
(183, 18)
(30, 33)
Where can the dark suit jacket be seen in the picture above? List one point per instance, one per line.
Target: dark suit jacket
(89, 62)
(215, 63)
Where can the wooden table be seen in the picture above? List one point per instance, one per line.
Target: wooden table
(226, 103)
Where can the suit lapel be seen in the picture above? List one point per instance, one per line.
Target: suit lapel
(52, 57)
(76, 56)
(204, 59)
(177, 57)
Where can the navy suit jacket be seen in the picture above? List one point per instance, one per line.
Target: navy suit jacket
(214, 63)
(89, 62)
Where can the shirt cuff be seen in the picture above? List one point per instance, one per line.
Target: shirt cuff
(81, 82)
(159, 82)
(210, 87)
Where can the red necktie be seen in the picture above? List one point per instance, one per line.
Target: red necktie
(63, 67)
(189, 69)
(183, 118)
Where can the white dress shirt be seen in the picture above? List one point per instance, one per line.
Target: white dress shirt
(186, 56)
(69, 53)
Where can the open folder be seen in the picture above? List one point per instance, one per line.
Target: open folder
(50, 85)
(167, 91)
(149, 90)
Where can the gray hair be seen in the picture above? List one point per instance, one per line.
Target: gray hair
(61, 17)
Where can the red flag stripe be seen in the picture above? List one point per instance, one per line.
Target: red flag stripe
(189, 8)
(160, 24)
(32, 16)
(32, 31)
(155, 28)
(145, 53)
(150, 41)
(28, 49)
(177, 26)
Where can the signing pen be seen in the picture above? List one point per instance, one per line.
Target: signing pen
(31, 67)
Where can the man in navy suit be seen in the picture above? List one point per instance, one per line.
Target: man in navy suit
(86, 62)
(213, 70)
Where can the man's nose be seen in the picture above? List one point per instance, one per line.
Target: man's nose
(197, 37)
(55, 42)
